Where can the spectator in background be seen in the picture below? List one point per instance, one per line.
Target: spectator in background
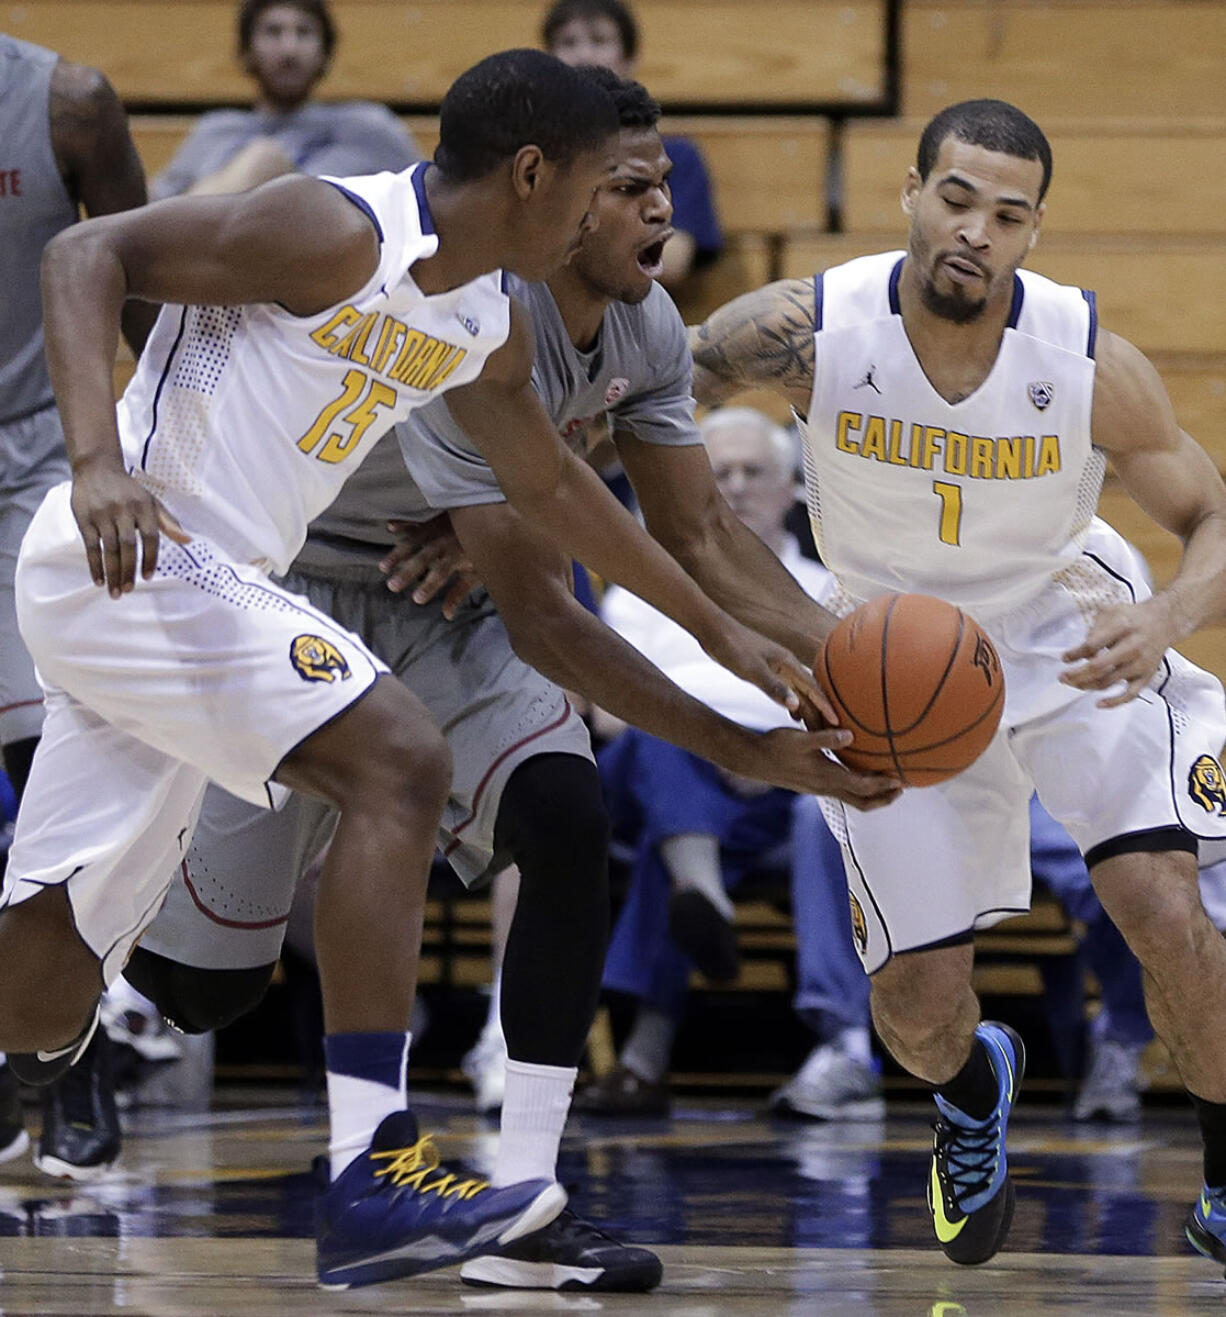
(696, 830)
(605, 32)
(286, 47)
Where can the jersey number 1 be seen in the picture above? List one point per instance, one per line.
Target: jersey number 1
(951, 511)
(354, 408)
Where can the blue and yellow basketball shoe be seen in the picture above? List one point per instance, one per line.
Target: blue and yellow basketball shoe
(398, 1210)
(970, 1194)
(1206, 1224)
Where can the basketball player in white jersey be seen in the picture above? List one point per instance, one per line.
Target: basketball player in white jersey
(300, 322)
(958, 415)
(608, 340)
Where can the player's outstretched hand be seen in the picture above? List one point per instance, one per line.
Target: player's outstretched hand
(1125, 644)
(427, 556)
(798, 761)
(119, 520)
(774, 670)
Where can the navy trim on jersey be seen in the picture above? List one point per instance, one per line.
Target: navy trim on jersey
(818, 295)
(361, 203)
(1172, 837)
(1019, 296)
(895, 274)
(1119, 576)
(157, 393)
(423, 206)
(1092, 337)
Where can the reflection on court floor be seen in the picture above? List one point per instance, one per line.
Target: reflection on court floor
(212, 1215)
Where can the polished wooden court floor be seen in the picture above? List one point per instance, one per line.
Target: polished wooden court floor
(210, 1216)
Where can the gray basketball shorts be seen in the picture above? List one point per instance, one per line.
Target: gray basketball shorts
(32, 459)
(229, 904)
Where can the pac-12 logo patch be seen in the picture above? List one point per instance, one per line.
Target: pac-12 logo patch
(859, 925)
(1041, 393)
(1207, 785)
(618, 388)
(317, 659)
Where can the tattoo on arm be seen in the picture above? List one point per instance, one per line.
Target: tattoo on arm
(761, 340)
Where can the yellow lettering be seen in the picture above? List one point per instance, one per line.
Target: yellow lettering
(427, 361)
(353, 343)
(842, 440)
(1049, 455)
(360, 419)
(1008, 459)
(413, 341)
(1027, 456)
(895, 457)
(981, 458)
(449, 367)
(874, 439)
(955, 453)
(915, 451)
(327, 335)
(352, 386)
(932, 445)
(389, 341)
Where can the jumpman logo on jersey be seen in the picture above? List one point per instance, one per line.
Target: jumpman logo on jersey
(868, 380)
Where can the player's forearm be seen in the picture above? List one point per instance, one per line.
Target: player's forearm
(590, 525)
(83, 288)
(573, 648)
(1196, 596)
(747, 580)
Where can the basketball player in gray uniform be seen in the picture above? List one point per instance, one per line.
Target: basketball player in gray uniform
(608, 340)
(64, 145)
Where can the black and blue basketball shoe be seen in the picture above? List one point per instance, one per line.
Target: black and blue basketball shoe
(1206, 1224)
(397, 1210)
(970, 1194)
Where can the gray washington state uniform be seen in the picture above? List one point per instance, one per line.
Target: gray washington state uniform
(34, 207)
(229, 907)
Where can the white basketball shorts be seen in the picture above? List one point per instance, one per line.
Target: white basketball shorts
(944, 860)
(208, 670)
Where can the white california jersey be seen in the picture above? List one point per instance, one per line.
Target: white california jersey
(246, 420)
(978, 502)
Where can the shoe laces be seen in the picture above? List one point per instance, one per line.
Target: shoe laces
(412, 1167)
(967, 1155)
(569, 1225)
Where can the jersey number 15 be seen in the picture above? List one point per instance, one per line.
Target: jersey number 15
(353, 413)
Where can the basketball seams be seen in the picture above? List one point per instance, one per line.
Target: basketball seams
(832, 689)
(882, 665)
(949, 667)
(945, 740)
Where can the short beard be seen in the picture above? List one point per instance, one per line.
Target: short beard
(949, 307)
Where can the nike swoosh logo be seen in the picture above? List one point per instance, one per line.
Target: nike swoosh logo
(55, 1056)
(947, 1231)
(1204, 1206)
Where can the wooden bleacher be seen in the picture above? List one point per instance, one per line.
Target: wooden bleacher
(696, 52)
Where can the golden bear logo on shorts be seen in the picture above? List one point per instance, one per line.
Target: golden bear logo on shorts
(859, 925)
(1207, 785)
(317, 659)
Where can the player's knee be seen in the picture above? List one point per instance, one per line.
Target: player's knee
(196, 1000)
(553, 804)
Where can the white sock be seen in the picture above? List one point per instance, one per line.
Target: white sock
(356, 1107)
(648, 1049)
(857, 1043)
(534, 1110)
(692, 861)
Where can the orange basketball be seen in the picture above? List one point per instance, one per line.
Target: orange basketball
(917, 683)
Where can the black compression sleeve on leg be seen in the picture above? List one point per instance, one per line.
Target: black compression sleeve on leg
(552, 820)
(18, 756)
(196, 1000)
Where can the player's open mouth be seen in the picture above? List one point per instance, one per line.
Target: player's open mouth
(651, 257)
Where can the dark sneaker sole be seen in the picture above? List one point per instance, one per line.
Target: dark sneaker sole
(536, 1216)
(969, 1256)
(508, 1273)
(1205, 1243)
